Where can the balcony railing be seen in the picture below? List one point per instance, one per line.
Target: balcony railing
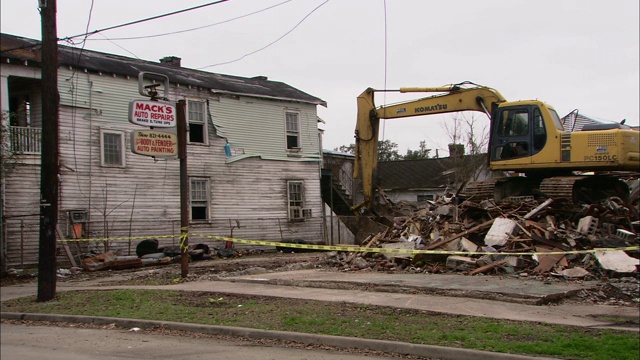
(25, 140)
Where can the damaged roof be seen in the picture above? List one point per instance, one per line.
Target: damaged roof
(417, 174)
(29, 50)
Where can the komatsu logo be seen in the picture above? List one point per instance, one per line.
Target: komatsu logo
(436, 107)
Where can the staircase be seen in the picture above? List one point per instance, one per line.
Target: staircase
(335, 194)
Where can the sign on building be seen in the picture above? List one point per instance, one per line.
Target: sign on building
(152, 113)
(154, 143)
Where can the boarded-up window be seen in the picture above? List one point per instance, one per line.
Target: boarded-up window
(199, 199)
(197, 121)
(112, 148)
(293, 129)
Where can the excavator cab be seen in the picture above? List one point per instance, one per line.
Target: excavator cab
(517, 132)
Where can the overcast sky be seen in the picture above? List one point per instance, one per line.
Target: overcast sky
(571, 54)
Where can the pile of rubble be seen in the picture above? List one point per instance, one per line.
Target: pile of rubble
(148, 253)
(520, 236)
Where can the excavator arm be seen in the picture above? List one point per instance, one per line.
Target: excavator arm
(451, 98)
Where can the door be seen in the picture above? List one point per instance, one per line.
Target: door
(513, 133)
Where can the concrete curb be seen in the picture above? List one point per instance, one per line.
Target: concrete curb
(334, 341)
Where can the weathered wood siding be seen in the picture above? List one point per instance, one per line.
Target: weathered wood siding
(142, 199)
(21, 212)
(257, 127)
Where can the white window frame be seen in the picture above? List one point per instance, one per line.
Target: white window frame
(296, 204)
(203, 121)
(200, 202)
(289, 131)
(123, 148)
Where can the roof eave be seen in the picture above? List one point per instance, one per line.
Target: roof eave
(321, 102)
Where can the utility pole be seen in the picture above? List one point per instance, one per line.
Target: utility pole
(49, 169)
(181, 118)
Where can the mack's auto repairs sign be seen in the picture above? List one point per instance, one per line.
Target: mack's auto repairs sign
(154, 143)
(152, 113)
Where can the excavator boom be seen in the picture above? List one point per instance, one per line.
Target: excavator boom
(451, 98)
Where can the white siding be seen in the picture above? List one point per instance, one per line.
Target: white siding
(142, 199)
(258, 127)
(22, 189)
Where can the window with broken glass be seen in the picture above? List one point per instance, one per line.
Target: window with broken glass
(196, 116)
(199, 199)
(295, 195)
(293, 130)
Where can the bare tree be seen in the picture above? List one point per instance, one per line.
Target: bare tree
(467, 137)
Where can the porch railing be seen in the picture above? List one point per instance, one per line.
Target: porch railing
(25, 140)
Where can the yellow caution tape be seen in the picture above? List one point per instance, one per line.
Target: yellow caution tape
(349, 248)
(184, 236)
(403, 251)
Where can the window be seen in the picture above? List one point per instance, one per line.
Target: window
(112, 148)
(196, 116)
(514, 123)
(295, 196)
(199, 188)
(539, 131)
(293, 130)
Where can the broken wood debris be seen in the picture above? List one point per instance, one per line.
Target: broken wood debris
(529, 228)
(147, 253)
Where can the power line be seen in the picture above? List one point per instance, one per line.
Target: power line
(196, 28)
(87, 33)
(271, 43)
(384, 121)
(144, 20)
(121, 47)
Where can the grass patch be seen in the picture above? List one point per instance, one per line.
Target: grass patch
(342, 319)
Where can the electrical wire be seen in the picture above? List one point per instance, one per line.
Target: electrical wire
(121, 47)
(69, 39)
(142, 20)
(74, 98)
(384, 101)
(271, 43)
(197, 28)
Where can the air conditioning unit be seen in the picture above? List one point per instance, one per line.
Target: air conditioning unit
(78, 216)
(306, 213)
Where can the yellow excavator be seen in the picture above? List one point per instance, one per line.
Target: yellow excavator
(526, 137)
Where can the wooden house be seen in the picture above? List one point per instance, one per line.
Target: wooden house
(253, 155)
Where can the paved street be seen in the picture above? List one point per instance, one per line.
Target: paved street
(21, 342)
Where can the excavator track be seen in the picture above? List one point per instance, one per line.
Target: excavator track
(579, 189)
(559, 186)
(501, 188)
(481, 190)
(586, 189)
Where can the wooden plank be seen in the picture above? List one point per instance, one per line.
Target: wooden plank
(487, 267)
(547, 262)
(457, 236)
(66, 247)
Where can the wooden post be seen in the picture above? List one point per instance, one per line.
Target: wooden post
(49, 168)
(181, 118)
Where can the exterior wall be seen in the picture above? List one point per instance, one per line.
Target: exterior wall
(250, 127)
(21, 213)
(142, 198)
